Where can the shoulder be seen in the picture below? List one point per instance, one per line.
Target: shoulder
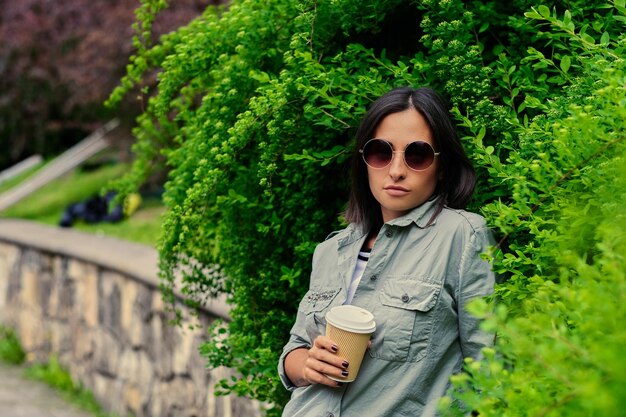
(464, 224)
(461, 218)
(334, 233)
(332, 239)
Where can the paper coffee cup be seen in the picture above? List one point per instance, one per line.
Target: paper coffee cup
(351, 328)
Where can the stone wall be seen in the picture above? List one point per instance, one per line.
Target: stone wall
(94, 303)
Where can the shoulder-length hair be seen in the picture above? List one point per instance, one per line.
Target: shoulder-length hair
(457, 178)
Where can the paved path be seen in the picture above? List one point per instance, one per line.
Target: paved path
(20, 397)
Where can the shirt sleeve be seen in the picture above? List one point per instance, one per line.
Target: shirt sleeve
(476, 279)
(298, 338)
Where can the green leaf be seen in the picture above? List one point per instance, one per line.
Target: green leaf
(620, 18)
(544, 11)
(532, 15)
(567, 17)
(481, 133)
(588, 38)
(260, 76)
(566, 61)
(604, 40)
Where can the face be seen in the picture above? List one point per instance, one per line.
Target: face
(396, 187)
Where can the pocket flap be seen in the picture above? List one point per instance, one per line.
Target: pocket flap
(409, 294)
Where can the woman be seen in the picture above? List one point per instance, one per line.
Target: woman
(411, 255)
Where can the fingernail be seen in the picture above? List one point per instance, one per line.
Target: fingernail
(334, 348)
(345, 364)
(344, 373)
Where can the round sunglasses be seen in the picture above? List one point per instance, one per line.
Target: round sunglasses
(418, 155)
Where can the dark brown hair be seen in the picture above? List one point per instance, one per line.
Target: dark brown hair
(457, 178)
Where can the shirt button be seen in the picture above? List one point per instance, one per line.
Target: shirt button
(405, 298)
(374, 277)
(388, 233)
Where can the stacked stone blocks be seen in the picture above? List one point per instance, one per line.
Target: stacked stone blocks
(114, 334)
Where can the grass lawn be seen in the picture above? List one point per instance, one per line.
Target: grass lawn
(47, 205)
(11, 182)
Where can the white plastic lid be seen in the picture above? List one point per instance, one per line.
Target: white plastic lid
(351, 318)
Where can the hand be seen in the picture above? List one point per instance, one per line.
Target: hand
(322, 359)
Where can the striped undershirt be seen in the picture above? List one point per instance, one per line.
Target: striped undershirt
(361, 263)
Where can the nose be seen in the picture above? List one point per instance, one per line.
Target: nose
(397, 167)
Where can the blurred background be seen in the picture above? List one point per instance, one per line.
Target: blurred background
(59, 61)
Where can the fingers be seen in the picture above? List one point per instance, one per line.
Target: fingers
(325, 350)
(322, 361)
(316, 377)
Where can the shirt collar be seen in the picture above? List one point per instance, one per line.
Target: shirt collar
(351, 234)
(420, 215)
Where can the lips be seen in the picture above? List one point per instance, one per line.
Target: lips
(396, 190)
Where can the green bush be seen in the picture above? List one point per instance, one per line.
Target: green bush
(561, 313)
(561, 353)
(255, 113)
(11, 351)
(53, 374)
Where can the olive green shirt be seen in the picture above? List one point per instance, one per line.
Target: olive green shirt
(417, 282)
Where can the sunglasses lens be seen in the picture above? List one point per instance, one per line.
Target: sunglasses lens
(419, 155)
(377, 153)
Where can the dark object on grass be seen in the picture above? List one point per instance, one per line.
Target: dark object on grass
(93, 210)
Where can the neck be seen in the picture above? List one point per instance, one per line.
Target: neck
(371, 238)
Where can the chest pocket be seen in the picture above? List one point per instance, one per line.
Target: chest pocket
(315, 303)
(404, 319)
